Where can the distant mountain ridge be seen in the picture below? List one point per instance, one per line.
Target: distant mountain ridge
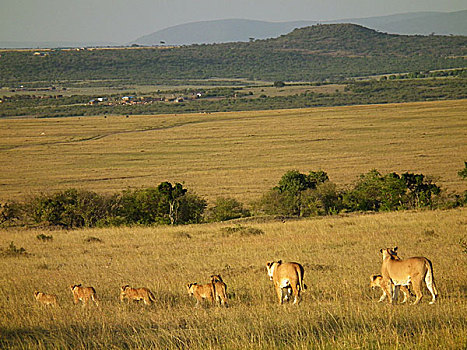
(242, 30)
(233, 30)
(321, 52)
(220, 31)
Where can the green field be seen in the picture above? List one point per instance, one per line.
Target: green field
(239, 154)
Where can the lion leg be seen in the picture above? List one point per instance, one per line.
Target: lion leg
(417, 288)
(212, 299)
(404, 290)
(387, 290)
(384, 296)
(395, 293)
(296, 293)
(279, 294)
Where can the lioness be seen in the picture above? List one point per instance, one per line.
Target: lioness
(220, 290)
(401, 272)
(286, 275)
(137, 294)
(46, 299)
(376, 282)
(83, 294)
(202, 292)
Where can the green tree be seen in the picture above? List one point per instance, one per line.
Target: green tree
(420, 189)
(322, 200)
(375, 192)
(227, 209)
(172, 195)
(287, 197)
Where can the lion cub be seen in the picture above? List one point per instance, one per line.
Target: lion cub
(220, 290)
(375, 282)
(201, 292)
(137, 294)
(46, 299)
(83, 294)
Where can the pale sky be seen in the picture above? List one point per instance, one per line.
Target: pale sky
(121, 21)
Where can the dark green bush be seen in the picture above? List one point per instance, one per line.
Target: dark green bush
(165, 204)
(375, 192)
(227, 209)
(74, 208)
(288, 197)
(11, 212)
(70, 208)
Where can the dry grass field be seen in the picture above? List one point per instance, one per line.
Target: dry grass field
(338, 310)
(239, 154)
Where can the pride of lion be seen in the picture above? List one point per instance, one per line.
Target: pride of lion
(287, 277)
(397, 272)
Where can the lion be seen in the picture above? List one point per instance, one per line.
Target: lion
(285, 276)
(376, 282)
(137, 294)
(202, 292)
(220, 290)
(401, 272)
(83, 294)
(46, 299)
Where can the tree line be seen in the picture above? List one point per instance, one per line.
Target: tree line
(237, 99)
(296, 195)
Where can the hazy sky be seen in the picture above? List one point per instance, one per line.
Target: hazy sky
(122, 21)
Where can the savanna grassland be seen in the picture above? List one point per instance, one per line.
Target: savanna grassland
(239, 154)
(338, 310)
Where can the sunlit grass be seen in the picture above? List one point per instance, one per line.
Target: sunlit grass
(240, 154)
(338, 310)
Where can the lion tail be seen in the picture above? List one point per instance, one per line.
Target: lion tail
(300, 279)
(429, 278)
(151, 297)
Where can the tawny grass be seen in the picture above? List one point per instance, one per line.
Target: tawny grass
(338, 310)
(239, 155)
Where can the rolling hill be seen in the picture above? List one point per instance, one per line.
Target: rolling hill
(331, 51)
(232, 30)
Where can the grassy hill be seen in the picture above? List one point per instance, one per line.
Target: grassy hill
(313, 53)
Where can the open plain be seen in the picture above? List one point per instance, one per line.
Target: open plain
(239, 155)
